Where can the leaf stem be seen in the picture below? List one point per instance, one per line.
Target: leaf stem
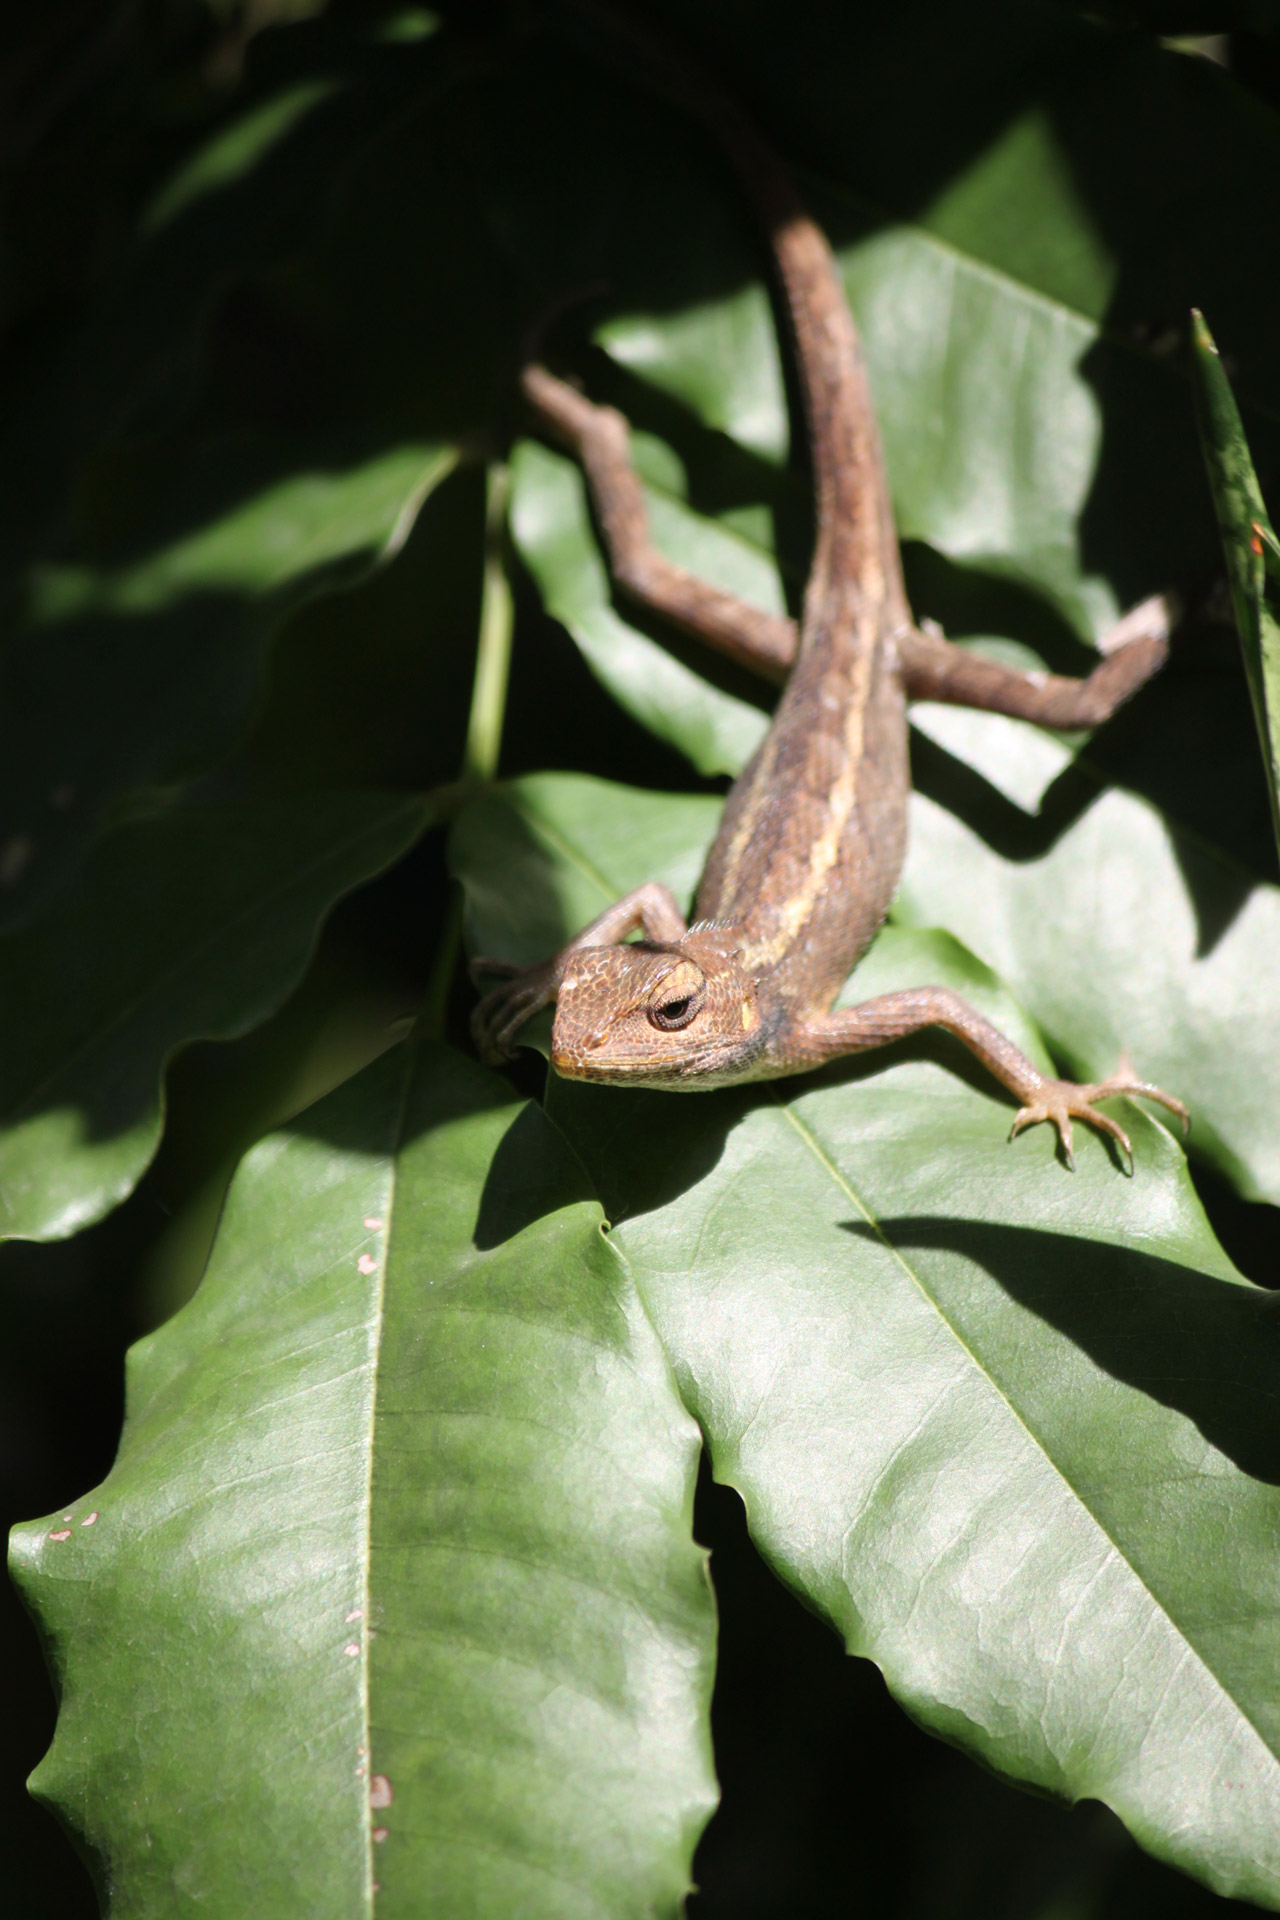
(493, 655)
(484, 725)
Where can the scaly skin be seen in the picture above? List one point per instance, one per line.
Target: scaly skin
(812, 841)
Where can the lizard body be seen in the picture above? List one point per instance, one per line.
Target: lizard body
(813, 836)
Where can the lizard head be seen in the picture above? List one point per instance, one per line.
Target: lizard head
(680, 1014)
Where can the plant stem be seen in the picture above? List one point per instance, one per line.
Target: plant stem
(493, 656)
(484, 725)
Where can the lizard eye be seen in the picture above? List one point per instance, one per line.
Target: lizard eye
(676, 1013)
(678, 999)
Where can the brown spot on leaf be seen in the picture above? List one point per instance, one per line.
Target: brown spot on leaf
(89, 1522)
(367, 1264)
(352, 1648)
(373, 1223)
(380, 1833)
(63, 1534)
(380, 1794)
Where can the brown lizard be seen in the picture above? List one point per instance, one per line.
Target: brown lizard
(813, 836)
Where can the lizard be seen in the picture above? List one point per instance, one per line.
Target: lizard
(813, 835)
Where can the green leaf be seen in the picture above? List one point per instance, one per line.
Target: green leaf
(392, 1579)
(248, 194)
(140, 673)
(192, 925)
(1119, 931)
(1249, 544)
(1009, 1429)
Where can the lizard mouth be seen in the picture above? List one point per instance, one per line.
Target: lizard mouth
(710, 1066)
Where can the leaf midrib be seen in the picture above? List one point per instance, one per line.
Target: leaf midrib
(810, 1140)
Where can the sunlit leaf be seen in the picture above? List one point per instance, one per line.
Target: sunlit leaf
(1007, 1427)
(398, 1542)
(193, 925)
(140, 673)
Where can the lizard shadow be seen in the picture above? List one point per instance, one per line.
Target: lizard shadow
(1205, 1348)
(641, 1150)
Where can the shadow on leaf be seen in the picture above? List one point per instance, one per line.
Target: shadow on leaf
(1205, 1348)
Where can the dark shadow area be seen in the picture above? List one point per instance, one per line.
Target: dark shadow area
(67, 1314)
(642, 1148)
(835, 1804)
(1208, 1349)
(106, 332)
(529, 1177)
(558, 714)
(1248, 1229)
(966, 600)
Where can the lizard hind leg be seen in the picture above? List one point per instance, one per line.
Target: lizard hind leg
(765, 642)
(933, 668)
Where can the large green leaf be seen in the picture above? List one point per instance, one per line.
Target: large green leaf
(191, 925)
(392, 1579)
(167, 647)
(1008, 1428)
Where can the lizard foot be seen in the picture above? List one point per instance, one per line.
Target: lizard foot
(1061, 1101)
(498, 1018)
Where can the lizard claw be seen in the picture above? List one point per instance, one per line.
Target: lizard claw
(498, 1018)
(1060, 1101)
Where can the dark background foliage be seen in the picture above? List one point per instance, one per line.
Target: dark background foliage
(834, 1803)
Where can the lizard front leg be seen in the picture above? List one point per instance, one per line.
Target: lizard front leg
(892, 1016)
(651, 910)
(934, 669)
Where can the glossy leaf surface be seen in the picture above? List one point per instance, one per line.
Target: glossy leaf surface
(182, 628)
(921, 1355)
(400, 1529)
(225, 904)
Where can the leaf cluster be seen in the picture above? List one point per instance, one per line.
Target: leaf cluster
(392, 1586)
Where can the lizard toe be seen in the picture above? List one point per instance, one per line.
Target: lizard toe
(1061, 1101)
(1049, 1107)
